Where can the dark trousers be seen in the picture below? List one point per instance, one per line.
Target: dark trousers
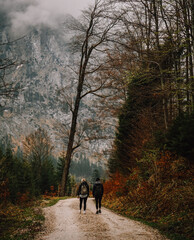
(81, 200)
(98, 201)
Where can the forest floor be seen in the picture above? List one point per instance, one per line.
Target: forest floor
(63, 221)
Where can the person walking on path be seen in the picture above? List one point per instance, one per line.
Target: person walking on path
(83, 193)
(98, 193)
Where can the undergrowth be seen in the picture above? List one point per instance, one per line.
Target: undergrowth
(20, 222)
(163, 200)
(24, 221)
(176, 226)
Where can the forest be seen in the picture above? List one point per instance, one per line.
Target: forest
(35, 171)
(146, 81)
(151, 163)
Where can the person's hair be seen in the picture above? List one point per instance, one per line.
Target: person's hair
(97, 179)
(83, 180)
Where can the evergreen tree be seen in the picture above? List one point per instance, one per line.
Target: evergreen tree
(60, 167)
(48, 176)
(95, 175)
(37, 151)
(10, 171)
(180, 137)
(14, 172)
(128, 144)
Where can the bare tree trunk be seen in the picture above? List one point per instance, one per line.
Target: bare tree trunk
(83, 64)
(91, 41)
(70, 144)
(189, 61)
(155, 13)
(192, 35)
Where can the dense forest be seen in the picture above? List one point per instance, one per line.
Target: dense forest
(33, 171)
(151, 164)
(148, 78)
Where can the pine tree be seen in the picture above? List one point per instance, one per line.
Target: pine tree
(95, 175)
(180, 137)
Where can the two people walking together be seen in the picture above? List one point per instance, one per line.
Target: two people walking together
(83, 194)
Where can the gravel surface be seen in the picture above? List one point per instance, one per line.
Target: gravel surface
(64, 222)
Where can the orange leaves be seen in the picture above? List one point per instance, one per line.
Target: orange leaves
(115, 184)
(51, 193)
(20, 198)
(23, 197)
(165, 159)
(10, 211)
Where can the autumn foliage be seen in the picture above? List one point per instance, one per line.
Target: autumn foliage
(116, 185)
(163, 195)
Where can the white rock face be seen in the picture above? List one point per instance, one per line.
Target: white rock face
(44, 70)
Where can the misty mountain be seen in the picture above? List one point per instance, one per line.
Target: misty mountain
(44, 66)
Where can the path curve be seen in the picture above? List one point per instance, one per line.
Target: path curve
(64, 222)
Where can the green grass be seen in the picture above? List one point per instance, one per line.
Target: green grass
(166, 230)
(52, 201)
(24, 222)
(18, 222)
(171, 226)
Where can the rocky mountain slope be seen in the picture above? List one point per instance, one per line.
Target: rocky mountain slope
(44, 66)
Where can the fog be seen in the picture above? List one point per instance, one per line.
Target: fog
(23, 14)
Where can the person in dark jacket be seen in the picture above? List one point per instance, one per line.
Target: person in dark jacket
(83, 193)
(98, 193)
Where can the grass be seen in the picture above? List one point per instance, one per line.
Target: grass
(170, 226)
(20, 222)
(23, 222)
(50, 201)
(165, 229)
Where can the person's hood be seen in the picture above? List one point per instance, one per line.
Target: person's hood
(97, 182)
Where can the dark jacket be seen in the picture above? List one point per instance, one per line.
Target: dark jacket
(79, 190)
(96, 185)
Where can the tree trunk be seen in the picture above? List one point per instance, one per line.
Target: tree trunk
(86, 52)
(192, 22)
(71, 138)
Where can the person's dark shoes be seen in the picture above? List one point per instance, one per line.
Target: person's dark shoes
(97, 212)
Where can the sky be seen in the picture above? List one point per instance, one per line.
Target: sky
(25, 13)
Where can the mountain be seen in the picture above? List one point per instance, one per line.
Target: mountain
(45, 61)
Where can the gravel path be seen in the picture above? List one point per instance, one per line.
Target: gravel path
(64, 222)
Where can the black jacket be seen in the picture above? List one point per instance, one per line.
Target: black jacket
(95, 194)
(79, 190)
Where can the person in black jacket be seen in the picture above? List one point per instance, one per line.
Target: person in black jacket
(98, 193)
(83, 193)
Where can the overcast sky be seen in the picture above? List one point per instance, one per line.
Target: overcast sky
(25, 13)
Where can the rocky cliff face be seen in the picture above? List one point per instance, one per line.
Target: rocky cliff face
(44, 58)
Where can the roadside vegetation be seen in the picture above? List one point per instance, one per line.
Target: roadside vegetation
(167, 207)
(22, 221)
(151, 163)
(151, 168)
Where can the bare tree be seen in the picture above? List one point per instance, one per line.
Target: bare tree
(162, 39)
(37, 148)
(8, 85)
(94, 34)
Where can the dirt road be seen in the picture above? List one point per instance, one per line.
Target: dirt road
(64, 222)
